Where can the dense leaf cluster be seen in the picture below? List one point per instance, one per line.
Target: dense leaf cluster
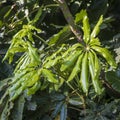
(53, 75)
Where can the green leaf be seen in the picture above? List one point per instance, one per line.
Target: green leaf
(76, 69)
(94, 41)
(70, 61)
(57, 109)
(32, 79)
(75, 102)
(16, 94)
(95, 68)
(84, 76)
(7, 13)
(30, 27)
(37, 16)
(17, 113)
(61, 36)
(14, 50)
(53, 62)
(1, 24)
(63, 113)
(105, 54)
(86, 29)
(71, 49)
(96, 29)
(34, 56)
(34, 88)
(49, 75)
(113, 78)
(79, 16)
(57, 86)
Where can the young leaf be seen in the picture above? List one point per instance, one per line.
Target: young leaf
(84, 76)
(79, 16)
(86, 29)
(96, 29)
(37, 16)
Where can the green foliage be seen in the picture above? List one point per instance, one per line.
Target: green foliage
(54, 74)
(100, 111)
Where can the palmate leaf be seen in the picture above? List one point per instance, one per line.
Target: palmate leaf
(113, 78)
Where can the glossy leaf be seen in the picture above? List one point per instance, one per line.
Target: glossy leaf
(95, 68)
(76, 68)
(84, 76)
(86, 29)
(106, 54)
(79, 16)
(96, 29)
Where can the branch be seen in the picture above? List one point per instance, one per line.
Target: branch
(69, 18)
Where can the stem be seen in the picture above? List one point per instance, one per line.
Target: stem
(69, 18)
(41, 39)
(75, 108)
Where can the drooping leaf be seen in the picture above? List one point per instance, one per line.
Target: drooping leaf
(33, 54)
